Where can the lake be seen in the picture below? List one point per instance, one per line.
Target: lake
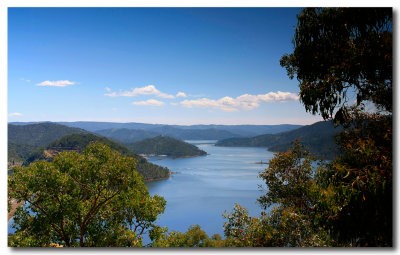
(202, 188)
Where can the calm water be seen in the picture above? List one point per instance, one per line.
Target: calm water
(202, 188)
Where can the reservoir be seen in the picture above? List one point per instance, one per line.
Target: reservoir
(203, 188)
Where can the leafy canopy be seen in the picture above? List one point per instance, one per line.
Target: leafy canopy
(348, 202)
(96, 198)
(193, 237)
(360, 205)
(292, 218)
(78, 142)
(340, 51)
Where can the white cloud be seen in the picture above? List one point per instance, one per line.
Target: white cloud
(150, 102)
(225, 103)
(181, 94)
(147, 90)
(23, 79)
(107, 89)
(112, 94)
(15, 114)
(62, 83)
(246, 101)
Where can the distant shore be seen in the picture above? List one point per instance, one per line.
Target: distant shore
(146, 156)
(159, 179)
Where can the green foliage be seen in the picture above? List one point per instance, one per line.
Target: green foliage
(289, 178)
(292, 196)
(338, 51)
(281, 228)
(96, 198)
(163, 145)
(193, 237)
(241, 230)
(77, 142)
(19, 152)
(361, 199)
(318, 138)
(349, 201)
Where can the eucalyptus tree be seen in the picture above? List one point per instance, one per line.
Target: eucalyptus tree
(93, 198)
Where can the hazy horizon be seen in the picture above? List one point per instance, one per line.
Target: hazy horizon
(158, 123)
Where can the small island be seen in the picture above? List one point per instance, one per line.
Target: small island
(166, 146)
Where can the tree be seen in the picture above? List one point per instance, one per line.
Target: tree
(96, 198)
(292, 218)
(193, 237)
(347, 202)
(360, 205)
(338, 51)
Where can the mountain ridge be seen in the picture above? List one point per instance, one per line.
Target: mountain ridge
(317, 137)
(39, 134)
(244, 130)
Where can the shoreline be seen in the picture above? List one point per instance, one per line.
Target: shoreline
(159, 179)
(146, 156)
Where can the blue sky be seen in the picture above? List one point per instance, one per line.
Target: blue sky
(153, 65)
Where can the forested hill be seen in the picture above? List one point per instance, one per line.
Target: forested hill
(163, 145)
(318, 138)
(78, 142)
(18, 153)
(25, 139)
(40, 134)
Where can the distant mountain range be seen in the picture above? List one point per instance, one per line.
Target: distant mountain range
(25, 137)
(119, 131)
(164, 145)
(318, 138)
